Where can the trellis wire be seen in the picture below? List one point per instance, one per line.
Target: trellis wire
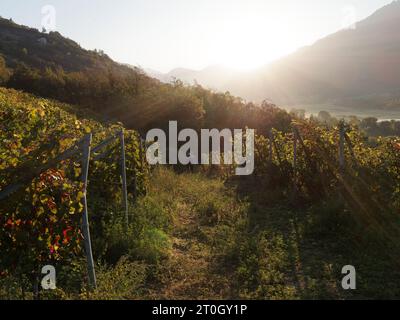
(344, 140)
(84, 147)
(117, 136)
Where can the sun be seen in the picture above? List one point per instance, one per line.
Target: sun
(250, 44)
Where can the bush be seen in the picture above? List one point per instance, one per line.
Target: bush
(148, 212)
(144, 239)
(263, 262)
(153, 246)
(124, 281)
(13, 288)
(329, 218)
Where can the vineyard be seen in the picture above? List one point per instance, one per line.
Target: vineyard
(314, 162)
(41, 214)
(321, 197)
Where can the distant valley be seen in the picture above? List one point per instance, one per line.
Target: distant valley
(351, 72)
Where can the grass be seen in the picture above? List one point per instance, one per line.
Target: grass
(197, 237)
(229, 246)
(205, 219)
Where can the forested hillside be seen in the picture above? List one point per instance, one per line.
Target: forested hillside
(59, 68)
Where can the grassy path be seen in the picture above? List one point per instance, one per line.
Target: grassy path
(226, 248)
(223, 248)
(191, 272)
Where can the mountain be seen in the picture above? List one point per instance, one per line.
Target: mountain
(21, 44)
(353, 67)
(52, 66)
(152, 73)
(351, 63)
(214, 77)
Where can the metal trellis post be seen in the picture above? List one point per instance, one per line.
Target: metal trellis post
(271, 145)
(123, 176)
(341, 147)
(85, 219)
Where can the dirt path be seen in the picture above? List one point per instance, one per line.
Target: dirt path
(190, 271)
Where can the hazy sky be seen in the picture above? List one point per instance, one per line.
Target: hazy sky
(164, 34)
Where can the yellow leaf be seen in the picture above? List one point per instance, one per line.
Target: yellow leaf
(80, 195)
(40, 211)
(80, 207)
(77, 172)
(44, 198)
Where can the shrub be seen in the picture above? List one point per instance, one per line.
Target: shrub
(124, 281)
(144, 239)
(263, 261)
(153, 246)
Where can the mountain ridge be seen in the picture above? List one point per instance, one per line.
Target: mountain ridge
(350, 64)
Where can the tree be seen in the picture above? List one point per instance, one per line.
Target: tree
(299, 113)
(385, 128)
(4, 72)
(370, 125)
(396, 129)
(324, 116)
(353, 120)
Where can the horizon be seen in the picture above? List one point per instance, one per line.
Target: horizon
(195, 36)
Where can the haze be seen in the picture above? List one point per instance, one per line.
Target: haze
(163, 35)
